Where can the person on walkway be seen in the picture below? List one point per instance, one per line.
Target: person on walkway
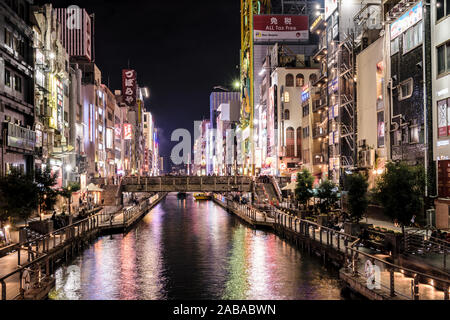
(413, 220)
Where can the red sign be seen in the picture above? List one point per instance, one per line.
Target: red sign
(129, 87)
(127, 131)
(280, 27)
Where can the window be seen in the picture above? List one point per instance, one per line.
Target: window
(312, 77)
(414, 134)
(443, 117)
(7, 78)
(306, 132)
(305, 110)
(286, 114)
(394, 46)
(406, 89)
(299, 80)
(443, 58)
(442, 9)
(8, 38)
(17, 83)
(412, 37)
(290, 147)
(289, 80)
(299, 142)
(286, 96)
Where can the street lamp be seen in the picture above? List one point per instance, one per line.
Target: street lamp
(237, 84)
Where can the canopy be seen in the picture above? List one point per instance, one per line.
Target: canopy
(93, 188)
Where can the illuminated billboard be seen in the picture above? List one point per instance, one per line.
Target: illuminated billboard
(330, 7)
(127, 130)
(280, 27)
(407, 20)
(129, 87)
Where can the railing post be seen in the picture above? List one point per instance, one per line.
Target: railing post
(446, 293)
(392, 282)
(320, 235)
(18, 256)
(353, 263)
(416, 287)
(415, 283)
(3, 289)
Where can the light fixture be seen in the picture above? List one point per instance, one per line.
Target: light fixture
(68, 168)
(51, 55)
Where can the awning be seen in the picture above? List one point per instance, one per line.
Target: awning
(290, 186)
(93, 188)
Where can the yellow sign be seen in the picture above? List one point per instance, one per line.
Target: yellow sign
(316, 23)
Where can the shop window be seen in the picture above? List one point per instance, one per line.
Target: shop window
(443, 58)
(406, 89)
(299, 80)
(289, 80)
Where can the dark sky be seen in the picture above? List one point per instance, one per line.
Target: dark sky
(180, 49)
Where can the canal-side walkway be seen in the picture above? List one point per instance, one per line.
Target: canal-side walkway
(26, 272)
(366, 271)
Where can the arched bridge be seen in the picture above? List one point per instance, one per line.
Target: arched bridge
(187, 184)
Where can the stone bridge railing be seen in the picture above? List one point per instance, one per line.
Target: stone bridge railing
(187, 184)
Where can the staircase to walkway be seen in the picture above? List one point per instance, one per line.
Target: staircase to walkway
(110, 195)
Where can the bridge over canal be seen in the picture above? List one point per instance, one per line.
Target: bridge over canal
(187, 184)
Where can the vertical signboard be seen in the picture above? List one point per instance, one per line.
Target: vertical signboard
(127, 131)
(129, 87)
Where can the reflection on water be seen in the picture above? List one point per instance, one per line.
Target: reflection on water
(186, 249)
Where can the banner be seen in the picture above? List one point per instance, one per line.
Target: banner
(280, 27)
(407, 20)
(129, 87)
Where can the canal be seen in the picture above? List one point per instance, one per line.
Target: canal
(187, 249)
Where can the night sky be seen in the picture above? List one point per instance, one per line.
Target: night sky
(180, 50)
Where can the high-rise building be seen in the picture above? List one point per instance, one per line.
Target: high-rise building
(17, 138)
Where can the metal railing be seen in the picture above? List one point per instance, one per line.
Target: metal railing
(38, 249)
(392, 279)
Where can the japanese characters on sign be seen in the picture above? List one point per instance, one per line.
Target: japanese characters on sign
(129, 87)
(280, 27)
(127, 131)
(330, 7)
(407, 20)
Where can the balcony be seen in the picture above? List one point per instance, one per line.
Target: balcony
(319, 132)
(320, 102)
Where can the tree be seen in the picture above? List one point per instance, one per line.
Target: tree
(18, 196)
(400, 190)
(303, 189)
(68, 191)
(46, 181)
(357, 196)
(327, 193)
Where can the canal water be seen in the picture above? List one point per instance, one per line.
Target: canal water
(187, 249)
